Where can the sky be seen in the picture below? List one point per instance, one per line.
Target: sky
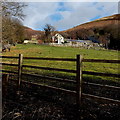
(65, 15)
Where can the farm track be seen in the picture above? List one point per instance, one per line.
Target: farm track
(40, 104)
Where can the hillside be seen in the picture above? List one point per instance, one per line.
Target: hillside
(29, 32)
(103, 30)
(102, 22)
(32, 31)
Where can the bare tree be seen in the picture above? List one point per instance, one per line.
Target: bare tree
(49, 30)
(12, 15)
(13, 9)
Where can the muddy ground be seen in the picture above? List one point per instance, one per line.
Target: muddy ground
(35, 103)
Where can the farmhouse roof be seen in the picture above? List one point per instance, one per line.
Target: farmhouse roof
(65, 35)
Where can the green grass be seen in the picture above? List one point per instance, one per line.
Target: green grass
(62, 52)
(33, 50)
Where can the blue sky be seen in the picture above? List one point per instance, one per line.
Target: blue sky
(65, 15)
(56, 17)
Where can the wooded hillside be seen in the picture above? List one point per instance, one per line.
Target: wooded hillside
(103, 30)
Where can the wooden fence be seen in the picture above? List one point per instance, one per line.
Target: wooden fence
(78, 82)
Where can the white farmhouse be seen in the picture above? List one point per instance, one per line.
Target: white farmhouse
(58, 38)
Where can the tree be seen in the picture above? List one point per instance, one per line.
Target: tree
(19, 31)
(12, 31)
(114, 35)
(13, 9)
(49, 30)
(12, 15)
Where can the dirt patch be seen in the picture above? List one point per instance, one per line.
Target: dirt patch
(42, 104)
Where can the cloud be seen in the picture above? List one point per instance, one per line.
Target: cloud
(37, 13)
(85, 12)
(65, 15)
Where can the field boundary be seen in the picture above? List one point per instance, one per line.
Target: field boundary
(78, 82)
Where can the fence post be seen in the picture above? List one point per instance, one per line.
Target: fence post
(79, 80)
(5, 78)
(20, 68)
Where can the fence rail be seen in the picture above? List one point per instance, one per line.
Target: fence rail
(78, 82)
(54, 59)
(100, 85)
(101, 74)
(9, 64)
(48, 68)
(101, 61)
(51, 78)
(9, 57)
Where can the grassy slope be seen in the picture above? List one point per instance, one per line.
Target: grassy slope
(66, 52)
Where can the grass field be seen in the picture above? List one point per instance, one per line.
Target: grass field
(33, 50)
